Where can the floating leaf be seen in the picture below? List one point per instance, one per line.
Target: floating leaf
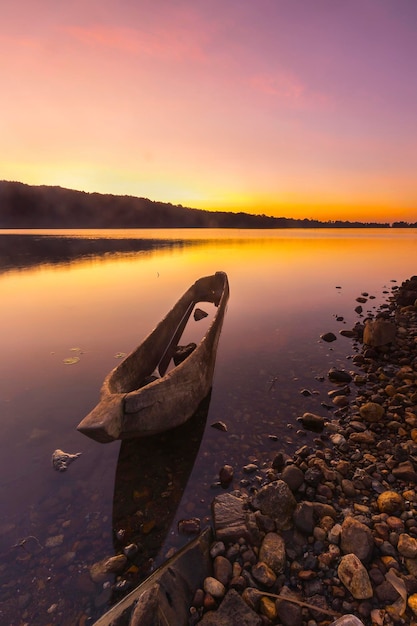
(71, 360)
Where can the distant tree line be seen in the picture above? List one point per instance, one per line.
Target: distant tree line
(404, 225)
(27, 206)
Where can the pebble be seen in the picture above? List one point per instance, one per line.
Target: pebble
(333, 520)
(214, 587)
(54, 541)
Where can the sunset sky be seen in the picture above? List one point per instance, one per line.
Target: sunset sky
(297, 108)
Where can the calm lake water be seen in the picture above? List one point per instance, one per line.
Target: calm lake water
(96, 294)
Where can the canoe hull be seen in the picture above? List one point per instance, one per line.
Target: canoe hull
(126, 408)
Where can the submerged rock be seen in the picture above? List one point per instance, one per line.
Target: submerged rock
(328, 337)
(339, 376)
(61, 459)
(313, 422)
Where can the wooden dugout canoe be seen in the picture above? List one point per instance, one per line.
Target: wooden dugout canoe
(130, 406)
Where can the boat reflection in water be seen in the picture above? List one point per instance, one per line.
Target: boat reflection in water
(151, 477)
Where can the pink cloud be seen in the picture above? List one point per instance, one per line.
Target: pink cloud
(281, 85)
(285, 87)
(178, 42)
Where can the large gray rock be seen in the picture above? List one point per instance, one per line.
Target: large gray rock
(378, 332)
(356, 538)
(230, 518)
(277, 501)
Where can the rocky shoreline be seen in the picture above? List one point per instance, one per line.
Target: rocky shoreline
(329, 536)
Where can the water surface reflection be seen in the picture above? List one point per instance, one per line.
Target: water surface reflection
(283, 296)
(151, 477)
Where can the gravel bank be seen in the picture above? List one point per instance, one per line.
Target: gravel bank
(330, 535)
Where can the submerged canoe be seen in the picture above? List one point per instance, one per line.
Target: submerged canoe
(141, 397)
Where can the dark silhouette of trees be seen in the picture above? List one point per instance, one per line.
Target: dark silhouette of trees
(27, 206)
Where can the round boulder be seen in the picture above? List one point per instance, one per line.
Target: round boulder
(390, 502)
(371, 412)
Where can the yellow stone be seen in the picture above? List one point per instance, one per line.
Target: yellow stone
(414, 434)
(390, 502)
(267, 607)
(412, 603)
(389, 562)
(410, 494)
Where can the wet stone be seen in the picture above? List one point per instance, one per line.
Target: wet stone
(412, 603)
(272, 552)
(304, 517)
(355, 578)
(222, 569)
(217, 548)
(339, 376)
(372, 412)
(390, 502)
(379, 332)
(405, 471)
(267, 607)
(250, 468)
(407, 546)
(191, 526)
(229, 516)
(226, 475)
(54, 541)
(328, 337)
(277, 501)
(356, 538)
(311, 421)
(263, 574)
(102, 570)
(293, 476)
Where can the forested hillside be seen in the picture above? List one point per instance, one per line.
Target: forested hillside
(27, 206)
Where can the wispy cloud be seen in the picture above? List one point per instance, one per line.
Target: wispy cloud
(163, 43)
(282, 85)
(286, 88)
